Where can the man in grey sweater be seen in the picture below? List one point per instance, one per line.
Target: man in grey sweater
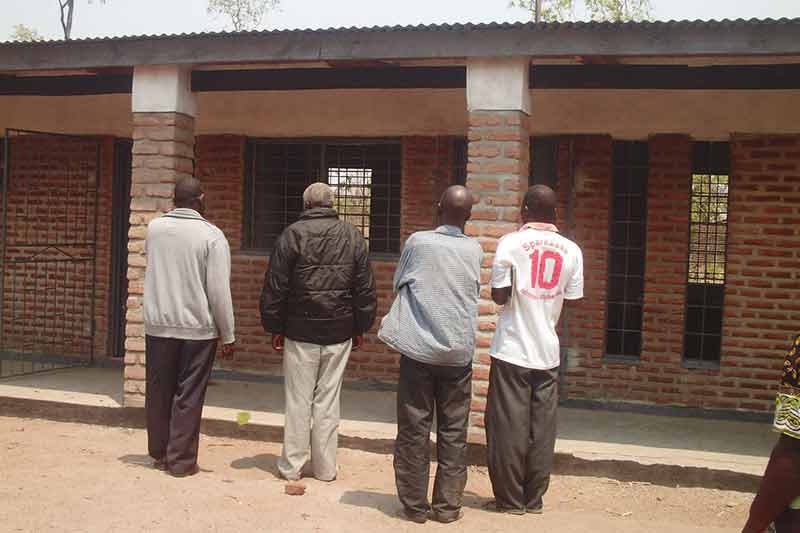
(187, 310)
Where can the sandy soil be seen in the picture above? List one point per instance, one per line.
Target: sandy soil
(74, 477)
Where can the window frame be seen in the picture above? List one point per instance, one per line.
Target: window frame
(612, 357)
(711, 166)
(249, 177)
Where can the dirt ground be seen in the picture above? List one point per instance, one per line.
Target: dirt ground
(73, 477)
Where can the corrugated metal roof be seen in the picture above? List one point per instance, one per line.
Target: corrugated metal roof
(455, 27)
(754, 37)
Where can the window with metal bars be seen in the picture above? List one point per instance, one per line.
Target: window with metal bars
(626, 256)
(365, 175)
(708, 230)
(460, 160)
(544, 161)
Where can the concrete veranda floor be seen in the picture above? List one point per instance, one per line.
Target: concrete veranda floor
(591, 438)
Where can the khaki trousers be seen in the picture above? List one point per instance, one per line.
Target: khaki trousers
(313, 382)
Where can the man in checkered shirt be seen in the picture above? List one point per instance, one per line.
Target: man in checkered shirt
(432, 324)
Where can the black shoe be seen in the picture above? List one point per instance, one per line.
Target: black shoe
(498, 508)
(192, 471)
(160, 464)
(417, 518)
(539, 509)
(447, 519)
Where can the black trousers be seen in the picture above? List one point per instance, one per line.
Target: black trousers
(520, 433)
(422, 389)
(177, 377)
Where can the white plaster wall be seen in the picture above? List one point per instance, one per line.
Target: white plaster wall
(333, 113)
(96, 115)
(707, 115)
(623, 114)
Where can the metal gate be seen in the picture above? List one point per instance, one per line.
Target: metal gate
(49, 244)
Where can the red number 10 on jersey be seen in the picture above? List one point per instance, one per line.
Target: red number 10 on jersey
(539, 262)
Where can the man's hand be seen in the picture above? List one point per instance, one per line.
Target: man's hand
(358, 342)
(277, 342)
(228, 350)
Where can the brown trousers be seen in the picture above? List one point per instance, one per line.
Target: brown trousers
(520, 433)
(177, 377)
(422, 390)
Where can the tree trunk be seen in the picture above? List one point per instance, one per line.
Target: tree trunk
(67, 10)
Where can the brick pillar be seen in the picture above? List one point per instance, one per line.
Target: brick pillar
(163, 152)
(498, 99)
(497, 173)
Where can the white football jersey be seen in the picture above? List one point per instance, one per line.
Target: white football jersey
(543, 268)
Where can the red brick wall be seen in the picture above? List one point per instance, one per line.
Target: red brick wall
(49, 202)
(762, 296)
(762, 287)
(589, 228)
(427, 163)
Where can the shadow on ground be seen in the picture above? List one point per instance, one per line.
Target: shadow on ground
(266, 462)
(390, 505)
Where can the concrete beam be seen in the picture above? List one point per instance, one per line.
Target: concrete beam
(163, 89)
(498, 84)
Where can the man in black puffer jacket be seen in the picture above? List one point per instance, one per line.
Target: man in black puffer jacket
(318, 301)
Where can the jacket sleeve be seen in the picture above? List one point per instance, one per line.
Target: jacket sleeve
(365, 302)
(218, 288)
(277, 280)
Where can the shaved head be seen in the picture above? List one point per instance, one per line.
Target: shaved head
(455, 206)
(539, 204)
(188, 194)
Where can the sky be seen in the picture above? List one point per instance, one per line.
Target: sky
(138, 17)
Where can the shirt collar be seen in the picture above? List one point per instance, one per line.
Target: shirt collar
(319, 212)
(185, 212)
(447, 229)
(541, 226)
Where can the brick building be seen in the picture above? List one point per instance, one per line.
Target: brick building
(674, 147)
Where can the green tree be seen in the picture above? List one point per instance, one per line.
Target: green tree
(67, 14)
(610, 10)
(244, 15)
(24, 33)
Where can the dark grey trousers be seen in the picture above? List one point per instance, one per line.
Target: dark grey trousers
(421, 389)
(520, 433)
(177, 378)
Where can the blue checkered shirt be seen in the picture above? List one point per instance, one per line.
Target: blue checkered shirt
(434, 317)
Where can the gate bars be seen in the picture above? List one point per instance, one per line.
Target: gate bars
(48, 266)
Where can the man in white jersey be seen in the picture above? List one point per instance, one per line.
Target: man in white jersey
(535, 269)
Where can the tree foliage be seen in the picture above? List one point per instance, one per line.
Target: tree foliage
(24, 33)
(606, 10)
(243, 15)
(67, 15)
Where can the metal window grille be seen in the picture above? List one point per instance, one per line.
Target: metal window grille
(627, 250)
(365, 176)
(460, 160)
(544, 161)
(708, 229)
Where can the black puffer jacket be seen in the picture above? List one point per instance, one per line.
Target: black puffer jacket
(319, 286)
